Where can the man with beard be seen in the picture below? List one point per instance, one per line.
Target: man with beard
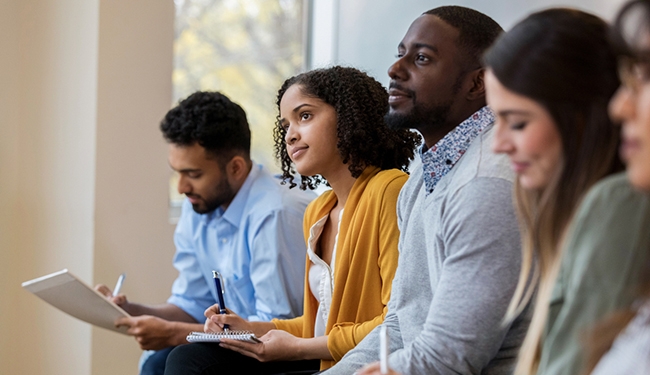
(459, 240)
(237, 219)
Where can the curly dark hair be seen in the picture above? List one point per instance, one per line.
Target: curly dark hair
(211, 120)
(364, 139)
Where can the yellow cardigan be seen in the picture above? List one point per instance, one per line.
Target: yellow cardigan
(366, 259)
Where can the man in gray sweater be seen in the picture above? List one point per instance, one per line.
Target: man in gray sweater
(459, 243)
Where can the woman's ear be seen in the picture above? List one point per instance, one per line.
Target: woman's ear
(477, 91)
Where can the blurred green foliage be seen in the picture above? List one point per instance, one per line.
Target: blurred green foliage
(243, 48)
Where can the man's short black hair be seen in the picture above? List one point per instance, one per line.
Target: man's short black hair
(211, 120)
(477, 31)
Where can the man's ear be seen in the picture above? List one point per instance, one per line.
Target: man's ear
(237, 169)
(477, 90)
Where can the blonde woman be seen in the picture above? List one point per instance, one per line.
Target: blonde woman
(549, 80)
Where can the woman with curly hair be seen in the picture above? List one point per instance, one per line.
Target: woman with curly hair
(330, 129)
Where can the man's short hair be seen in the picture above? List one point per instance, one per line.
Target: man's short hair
(477, 31)
(211, 120)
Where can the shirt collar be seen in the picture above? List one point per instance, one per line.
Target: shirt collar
(235, 209)
(438, 160)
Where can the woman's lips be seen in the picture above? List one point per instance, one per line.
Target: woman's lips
(519, 167)
(298, 151)
(629, 147)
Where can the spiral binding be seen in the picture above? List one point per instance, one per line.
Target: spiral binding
(216, 337)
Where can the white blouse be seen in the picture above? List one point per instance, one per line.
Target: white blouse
(321, 275)
(630, 353)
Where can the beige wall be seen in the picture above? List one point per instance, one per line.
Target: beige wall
(9, 206)
(132, 232)
(48, 194)
(83, 186)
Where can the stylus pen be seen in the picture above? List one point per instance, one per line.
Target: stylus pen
(118, 285)
(218, 281)
(383, 350)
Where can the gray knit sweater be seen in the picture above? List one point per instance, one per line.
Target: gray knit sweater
(458, 267)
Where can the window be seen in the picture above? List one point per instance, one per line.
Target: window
(244, 49)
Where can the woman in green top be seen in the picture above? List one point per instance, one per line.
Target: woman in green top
(630, 352)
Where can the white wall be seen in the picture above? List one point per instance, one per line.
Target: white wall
(370, 30)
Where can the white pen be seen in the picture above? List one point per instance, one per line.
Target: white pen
(118, 285)
(383, 349)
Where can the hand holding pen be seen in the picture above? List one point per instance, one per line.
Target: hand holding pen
(218, 281)
(381, 367)
(113, 295)
(219, 318)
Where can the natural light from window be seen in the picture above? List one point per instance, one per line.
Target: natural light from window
(244, 49)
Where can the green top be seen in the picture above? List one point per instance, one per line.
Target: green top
(606, 250)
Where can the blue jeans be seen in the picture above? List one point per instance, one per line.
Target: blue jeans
(152, 362)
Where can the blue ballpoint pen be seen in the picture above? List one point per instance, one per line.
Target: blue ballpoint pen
(218, 281)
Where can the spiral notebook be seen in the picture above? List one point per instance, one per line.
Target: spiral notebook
(216, 337)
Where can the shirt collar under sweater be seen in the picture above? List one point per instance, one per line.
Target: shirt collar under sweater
(441, 158)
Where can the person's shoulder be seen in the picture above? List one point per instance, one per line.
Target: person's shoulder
(270, 192)
(384, 187)
(480, 162)
(489, 163)
(388, 179)
(612, 200)
(612, 189)
(317, 207)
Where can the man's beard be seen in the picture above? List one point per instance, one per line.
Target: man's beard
(420, 117)
(223, 194)
(423, 117)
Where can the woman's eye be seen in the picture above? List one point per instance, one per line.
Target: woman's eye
(518, 125)
(421, 58)
(305, 116)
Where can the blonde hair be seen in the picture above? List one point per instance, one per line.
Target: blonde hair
(557, 42)
(545, 217)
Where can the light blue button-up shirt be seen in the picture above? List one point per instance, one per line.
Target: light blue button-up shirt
(257, 245)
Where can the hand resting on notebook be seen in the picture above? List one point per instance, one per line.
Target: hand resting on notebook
(276, 345)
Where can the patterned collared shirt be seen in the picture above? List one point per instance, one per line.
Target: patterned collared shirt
(441, 158)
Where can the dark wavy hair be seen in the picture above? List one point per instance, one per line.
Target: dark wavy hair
(364, 139)
(563, 60)
(211, 120)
